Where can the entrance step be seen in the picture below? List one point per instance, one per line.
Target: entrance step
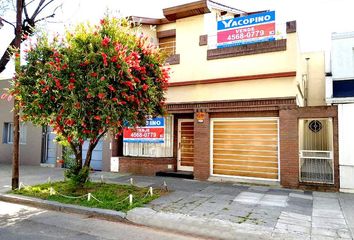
(178, 174)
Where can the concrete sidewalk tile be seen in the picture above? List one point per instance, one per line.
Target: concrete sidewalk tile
(274, 200)
(289, 228)
(297, 216)
(249, 197)
(335, 233)
(331, 223)
(279, 191)
(258, 188)
(327, 213)
(221, 190)
(302, 196)
(326, 194)
(279, 235)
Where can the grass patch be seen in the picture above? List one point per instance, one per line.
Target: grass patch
(112, 196)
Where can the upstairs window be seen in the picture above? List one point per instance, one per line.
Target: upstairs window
(168, 45)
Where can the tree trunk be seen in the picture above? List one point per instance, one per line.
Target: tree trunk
(91, 148)
(16, 119)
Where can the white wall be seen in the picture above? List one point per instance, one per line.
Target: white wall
(342, 55)
(346, 149)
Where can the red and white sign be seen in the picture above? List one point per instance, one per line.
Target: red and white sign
(153, 132)
(246, 33)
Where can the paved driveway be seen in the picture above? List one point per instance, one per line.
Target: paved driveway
(277, 212)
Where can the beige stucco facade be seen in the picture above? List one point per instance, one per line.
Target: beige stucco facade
(194, 66)
(30, 151)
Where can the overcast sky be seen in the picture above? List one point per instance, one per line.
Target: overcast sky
(316, 19)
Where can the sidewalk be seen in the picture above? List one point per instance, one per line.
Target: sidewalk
(209, 208)
(233, 211)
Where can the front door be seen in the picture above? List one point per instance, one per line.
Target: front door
(185, 145)
(49, 148)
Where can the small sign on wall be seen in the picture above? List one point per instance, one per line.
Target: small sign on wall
(200, 116)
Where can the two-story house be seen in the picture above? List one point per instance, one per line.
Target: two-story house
(241, 107)
(340, 92)
(243, 104)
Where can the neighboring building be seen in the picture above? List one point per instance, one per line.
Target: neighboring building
(340, 92)
(36, 144)
(30, 136)
(253, 112)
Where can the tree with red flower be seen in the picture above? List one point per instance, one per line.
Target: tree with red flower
(86, 85)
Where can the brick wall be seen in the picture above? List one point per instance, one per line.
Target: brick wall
(289, 145)
(145, 165)
(202, 148)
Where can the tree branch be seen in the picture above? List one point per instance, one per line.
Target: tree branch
(5, 58)
(25, 11)
(4, 20)
(43, 18)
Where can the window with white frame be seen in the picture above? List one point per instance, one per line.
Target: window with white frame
(8, 133)
(153, 149)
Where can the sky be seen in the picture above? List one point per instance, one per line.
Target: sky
(316, 19)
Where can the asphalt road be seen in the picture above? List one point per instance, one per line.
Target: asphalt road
(19, 222)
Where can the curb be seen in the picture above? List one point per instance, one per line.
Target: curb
(171, 222)
(197, 226)
(105, 214)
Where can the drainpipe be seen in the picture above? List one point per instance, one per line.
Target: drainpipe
(306, 81)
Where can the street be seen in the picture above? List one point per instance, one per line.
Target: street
(19, 222)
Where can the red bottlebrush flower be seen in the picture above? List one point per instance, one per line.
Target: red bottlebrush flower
(93, 74)
(86, 89)
(111, 88)
(145, 87)
(42, 82)
(102, 21)
(81, 140)
(34, 92)
(89, 95)
(69, 139)
(72, 74)
(71, 86)
(69, 122)
(98, 118)
(104, 56)
(105, 41)
(41, 106)
(50, 75)
(114, 59)
(129, 84)
(52, 98)
(77, 105)
(101, 95)
(103, 78)
(115, 99)
(65, 66)
(72, 80)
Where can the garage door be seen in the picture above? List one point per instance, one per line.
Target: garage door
(96, 160)
(245, 147)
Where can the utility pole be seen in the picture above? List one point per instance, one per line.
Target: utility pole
(16, 119)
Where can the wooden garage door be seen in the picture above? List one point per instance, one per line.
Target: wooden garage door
(246, 148)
